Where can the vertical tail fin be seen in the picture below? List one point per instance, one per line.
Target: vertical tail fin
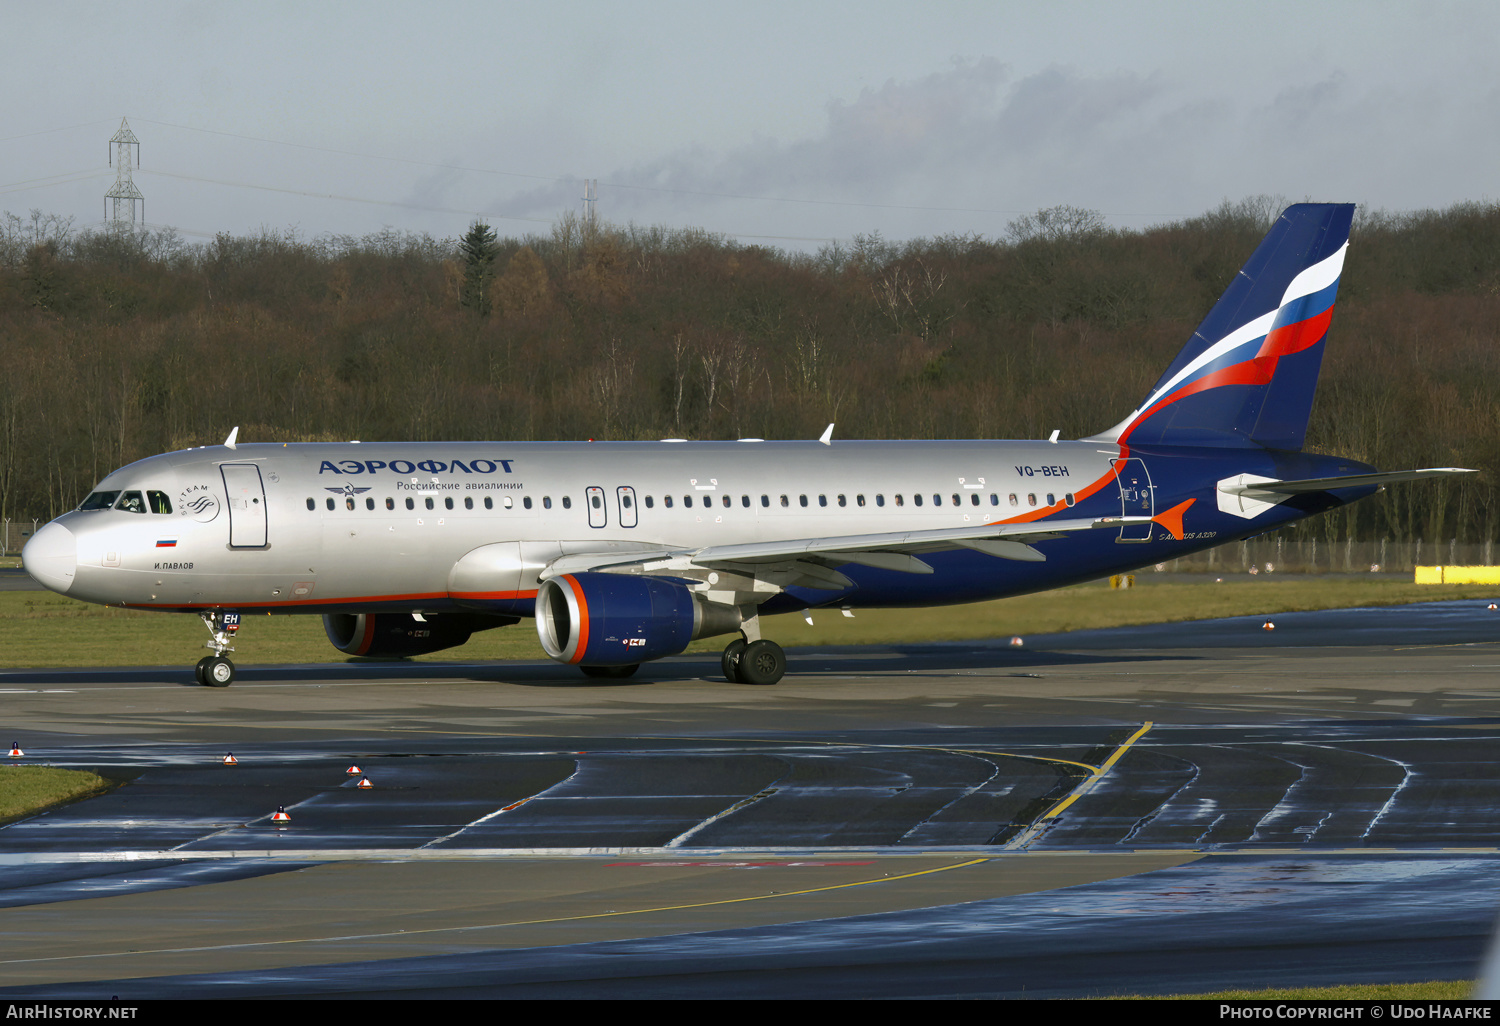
(1247, 376)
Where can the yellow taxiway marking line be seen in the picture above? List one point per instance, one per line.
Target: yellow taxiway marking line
(489, 926)
(1083, 788)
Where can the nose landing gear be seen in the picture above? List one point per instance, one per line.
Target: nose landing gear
(216, 671)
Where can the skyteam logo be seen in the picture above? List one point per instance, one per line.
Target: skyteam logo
(198, 502)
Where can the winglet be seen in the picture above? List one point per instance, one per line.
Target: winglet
(229, 442)
(827, 437)
(1172, 518)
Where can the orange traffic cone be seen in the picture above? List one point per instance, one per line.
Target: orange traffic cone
(15, 750)
(1268, 626)
(352, 771)
(1016, 642)
(280, 816)
(230, 760)
(364, 784)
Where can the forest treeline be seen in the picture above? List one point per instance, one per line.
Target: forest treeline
(117, 345)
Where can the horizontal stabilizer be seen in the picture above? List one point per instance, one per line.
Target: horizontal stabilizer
(1269, 486)
(1250, 495)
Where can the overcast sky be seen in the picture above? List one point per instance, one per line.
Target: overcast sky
(785, 121)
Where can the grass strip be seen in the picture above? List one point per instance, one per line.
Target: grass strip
(25, 790)
(40, 629)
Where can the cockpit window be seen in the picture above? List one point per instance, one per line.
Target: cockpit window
(131, 502)
(100, 500)
(159, 502)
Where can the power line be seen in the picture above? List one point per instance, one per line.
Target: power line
(50, 180)
(439, 210)
(50, 131)
(563, 179)
(346, 199)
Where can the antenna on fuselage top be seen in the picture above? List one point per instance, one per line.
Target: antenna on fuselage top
(827, 436)
(229, 442)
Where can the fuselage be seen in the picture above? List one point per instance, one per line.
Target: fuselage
(432, 527)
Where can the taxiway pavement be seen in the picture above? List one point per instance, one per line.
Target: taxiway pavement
(1314, 804)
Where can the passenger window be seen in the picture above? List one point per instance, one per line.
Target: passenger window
(899, 500)
(428, 502)
(687, 502)
(994, 499)
(650, 502)
(447, 502)
(1013, 500)
(822, 500)
(159, 502)
(349, 502)
(568, 502)
(745, 501)
(880, 500)
(526, 501)
(917, 498)
(624, 501)
(547, 502)
(468, 502)
(859, 500)
(803, 500)
(1051, 499)
(974, 499)
(311, 504)
(330, 502)
(707, 501)
(596, 501)
(843, 501)
(765, 501)
(956, 499)
(409, 503)
(369, 504)
(390, 503)
(667, 501)
(726, 502)
(508, 502)
(1031, 500)
(784, 502)
(131, 502)
(489, 503)
(937, 500)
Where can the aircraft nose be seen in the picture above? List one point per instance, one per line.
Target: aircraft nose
(52, 557)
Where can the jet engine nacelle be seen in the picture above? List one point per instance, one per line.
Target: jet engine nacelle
(399, 635)
(597, 619)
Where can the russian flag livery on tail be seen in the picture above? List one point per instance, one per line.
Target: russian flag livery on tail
(625, 552)
(1247, 376)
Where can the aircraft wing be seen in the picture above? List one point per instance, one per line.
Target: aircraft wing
(897, 550)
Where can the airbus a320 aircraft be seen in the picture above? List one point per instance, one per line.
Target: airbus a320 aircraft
(625, 552)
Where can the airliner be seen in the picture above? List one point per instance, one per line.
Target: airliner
(625, 552)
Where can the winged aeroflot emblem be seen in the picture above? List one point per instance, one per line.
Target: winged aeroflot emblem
(348, 490)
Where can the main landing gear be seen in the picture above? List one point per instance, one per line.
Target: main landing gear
(216, 671)
(753, 662)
